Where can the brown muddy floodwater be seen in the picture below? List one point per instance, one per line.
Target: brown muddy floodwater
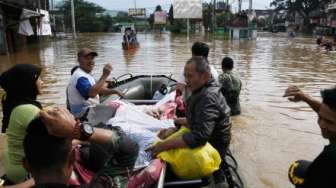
(271, 132)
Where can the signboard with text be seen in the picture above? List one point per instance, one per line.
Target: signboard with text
(136, 12)
(160, 17)
(185, 9)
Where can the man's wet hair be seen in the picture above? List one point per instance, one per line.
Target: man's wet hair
(43, 151)
(329, 98)
(202, 64)
(227, 63)
(319, 40)
(200, 49)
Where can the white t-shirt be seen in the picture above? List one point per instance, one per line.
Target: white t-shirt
(214, 74)
(77, 102)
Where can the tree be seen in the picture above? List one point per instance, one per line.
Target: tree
(158, 8)
(89, 16)
(302, 7)
(171, 14)
(207, 15)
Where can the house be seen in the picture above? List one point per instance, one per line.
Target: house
(10, 11)
(242, 26)
(331, 20)
(263, 18)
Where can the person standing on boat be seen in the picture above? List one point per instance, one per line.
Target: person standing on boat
(230, 85)
(198, 49)
(321, 171)
(207, 116)
(83, 90)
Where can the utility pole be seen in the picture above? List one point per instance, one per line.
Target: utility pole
(250, 7)
(39, 5)
(73, 19)
(53, 16)
(214, 16)
(227, 5)
(239, 5)
(39, 11)
(135, 12)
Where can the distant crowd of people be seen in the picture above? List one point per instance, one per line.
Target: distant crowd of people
(130, 36)
(326, 44)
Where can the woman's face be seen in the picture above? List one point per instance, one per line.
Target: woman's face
(39, 84)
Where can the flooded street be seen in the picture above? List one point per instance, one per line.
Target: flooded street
(271, 132)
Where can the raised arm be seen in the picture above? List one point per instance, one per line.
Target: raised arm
(294, 94)
(100, 85)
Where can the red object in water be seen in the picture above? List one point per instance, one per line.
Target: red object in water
(179, 101)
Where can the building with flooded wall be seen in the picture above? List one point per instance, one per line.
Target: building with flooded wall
(11, 23)
(332, 16)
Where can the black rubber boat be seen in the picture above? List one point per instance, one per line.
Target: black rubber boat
(142, 89)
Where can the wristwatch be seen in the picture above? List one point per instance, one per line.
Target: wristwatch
(83, 131)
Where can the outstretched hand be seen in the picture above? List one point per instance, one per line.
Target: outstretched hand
(59, 122)
(294, 94)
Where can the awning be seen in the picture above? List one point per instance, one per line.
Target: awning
(17, 7)
(26, 14)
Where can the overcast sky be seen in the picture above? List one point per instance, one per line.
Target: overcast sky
(150, 4)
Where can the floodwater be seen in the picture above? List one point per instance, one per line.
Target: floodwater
(271, 132)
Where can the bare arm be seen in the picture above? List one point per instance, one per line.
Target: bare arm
(313, 103)
(296, 95)
(98, 87)
(27, 184)
(101, 84)
(106, 91)
(60, 122)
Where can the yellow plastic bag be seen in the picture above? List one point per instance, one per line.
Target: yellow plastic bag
(189, 163)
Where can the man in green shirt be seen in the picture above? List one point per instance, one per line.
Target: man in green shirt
(230, 86)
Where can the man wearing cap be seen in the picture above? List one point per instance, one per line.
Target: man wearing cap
(83, 90)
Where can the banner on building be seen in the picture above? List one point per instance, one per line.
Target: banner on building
(25, 27)
(160, 17)
(44, 28)
(137, 12)
(191, 9)
(333, 23)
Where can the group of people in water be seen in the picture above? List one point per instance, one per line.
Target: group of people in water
(326, 44)
(130, 37)
(45, 148)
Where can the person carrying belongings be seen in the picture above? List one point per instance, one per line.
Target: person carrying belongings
(207, 117)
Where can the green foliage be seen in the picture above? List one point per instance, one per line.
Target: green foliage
(223, 18)
(89, 16)
(303, 7)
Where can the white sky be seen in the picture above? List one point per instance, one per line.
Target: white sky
(151, 4)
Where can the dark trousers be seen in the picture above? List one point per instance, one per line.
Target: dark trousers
(221, 174)
(118, 162)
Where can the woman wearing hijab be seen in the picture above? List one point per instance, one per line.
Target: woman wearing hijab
(22, 84)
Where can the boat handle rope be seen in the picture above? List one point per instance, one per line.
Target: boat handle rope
(127, 74)
(151, 83)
